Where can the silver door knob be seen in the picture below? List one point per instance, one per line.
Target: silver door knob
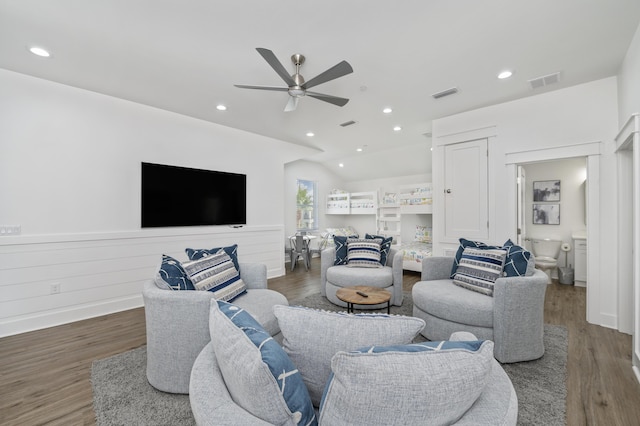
(448, 191)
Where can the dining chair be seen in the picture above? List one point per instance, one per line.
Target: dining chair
(299, 248)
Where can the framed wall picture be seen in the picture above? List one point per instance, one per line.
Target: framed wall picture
(546, 214)
(546, 190)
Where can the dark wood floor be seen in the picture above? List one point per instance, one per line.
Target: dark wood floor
(45, 375)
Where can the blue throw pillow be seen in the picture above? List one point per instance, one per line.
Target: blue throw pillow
(232, 251)
(172, 275)
(259, 374)
(463, 245)
(424, 347)
(385, 247)
(341, 249)
(517, 260)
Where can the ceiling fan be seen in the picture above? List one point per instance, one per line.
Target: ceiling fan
(296, 85)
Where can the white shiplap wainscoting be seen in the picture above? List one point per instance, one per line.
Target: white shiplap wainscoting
(102, 273)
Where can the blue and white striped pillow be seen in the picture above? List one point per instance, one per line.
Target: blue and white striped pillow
(479, 269)
(364, 252)
(385, 247)
(232, 251)
(216, 273)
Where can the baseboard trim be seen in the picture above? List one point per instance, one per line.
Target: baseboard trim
(636, 371)
(66, 316)
(609, 321)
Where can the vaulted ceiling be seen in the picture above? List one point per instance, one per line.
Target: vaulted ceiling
(186, 56)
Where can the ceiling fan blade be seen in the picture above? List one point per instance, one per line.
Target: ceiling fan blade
(278, 89)
(343, 68)
(292, 104)
(276, 65)
(328, 98)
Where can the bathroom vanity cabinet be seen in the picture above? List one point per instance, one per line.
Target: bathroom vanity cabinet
(580, 259)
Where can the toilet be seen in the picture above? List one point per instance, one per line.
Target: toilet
(546, 253)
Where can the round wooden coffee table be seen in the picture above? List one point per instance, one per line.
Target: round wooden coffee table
(363, 295)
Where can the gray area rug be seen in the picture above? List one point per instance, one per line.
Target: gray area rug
(122, 395)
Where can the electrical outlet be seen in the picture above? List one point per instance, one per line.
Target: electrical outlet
(55, 288)
(7, 230)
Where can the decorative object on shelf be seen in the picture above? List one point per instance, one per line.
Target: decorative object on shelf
(546, 190)
(546, 214)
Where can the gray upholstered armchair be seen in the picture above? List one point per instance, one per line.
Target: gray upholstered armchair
(333, 277)
(178, 325)
(513, 318)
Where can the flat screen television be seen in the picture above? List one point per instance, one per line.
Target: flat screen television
(180, 196)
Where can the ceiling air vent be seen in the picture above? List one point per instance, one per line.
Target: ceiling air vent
(545, 80)
(348, 123)
(444, 93)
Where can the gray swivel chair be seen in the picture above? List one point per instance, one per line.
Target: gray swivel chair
(178, 325)
(333, 277)
(513, 318)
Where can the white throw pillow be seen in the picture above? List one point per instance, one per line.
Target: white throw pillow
(429, 383)
(312, 337)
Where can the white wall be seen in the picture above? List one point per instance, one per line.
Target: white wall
(572, 174)
(628, 81)
(70, 176)
(563, 118)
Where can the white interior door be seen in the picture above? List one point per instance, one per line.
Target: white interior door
(466, 206)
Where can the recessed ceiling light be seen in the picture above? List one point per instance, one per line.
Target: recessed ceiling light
(221, 107)
(310, 134)
(359, 149)
(387, 110)
(397, 128)
(505, 74)
(39, 51)
(340, 165)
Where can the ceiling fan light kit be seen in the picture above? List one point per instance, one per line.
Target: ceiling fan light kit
(297, 87)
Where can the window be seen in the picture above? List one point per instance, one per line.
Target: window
(306, 206)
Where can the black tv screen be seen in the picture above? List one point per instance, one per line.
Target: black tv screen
(180, 196)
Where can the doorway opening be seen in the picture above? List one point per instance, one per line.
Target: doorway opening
(591, 152)
(552, 206)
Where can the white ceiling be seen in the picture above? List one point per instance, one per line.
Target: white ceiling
(185, 56)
